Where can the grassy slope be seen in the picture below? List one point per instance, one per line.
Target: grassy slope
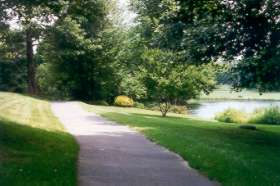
(34, 148)
(224, 152)
(225, 93)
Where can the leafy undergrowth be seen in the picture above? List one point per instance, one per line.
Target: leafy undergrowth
(225, 153)
(34, 148)
(232, 115)
(269, 115)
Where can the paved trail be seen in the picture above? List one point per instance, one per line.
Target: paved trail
(114, 155)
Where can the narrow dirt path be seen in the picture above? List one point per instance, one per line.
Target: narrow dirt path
(115, 155)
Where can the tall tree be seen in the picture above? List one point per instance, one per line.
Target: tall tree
(168, 82)
(32, 18)
(80, 53)
(206, 30)
(12, 62)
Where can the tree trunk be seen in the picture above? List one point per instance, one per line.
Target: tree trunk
(31, 66)
(164, 108)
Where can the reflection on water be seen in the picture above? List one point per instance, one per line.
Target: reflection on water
(208, 109)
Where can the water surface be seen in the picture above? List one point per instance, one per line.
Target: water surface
(208, 109)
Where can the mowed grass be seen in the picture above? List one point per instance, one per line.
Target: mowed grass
(124, 110)
(226, 93)
(34, 148)
(223, 152)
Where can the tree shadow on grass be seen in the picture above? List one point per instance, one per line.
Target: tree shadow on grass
(32, 156)
(219, 149)
(202, 129)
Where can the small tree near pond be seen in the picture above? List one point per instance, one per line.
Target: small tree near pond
(169, 82)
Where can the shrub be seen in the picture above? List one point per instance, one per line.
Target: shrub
(139, 105)
(50, 85)
(266, 116)
(231, 116)
(152, 106)
(124, 101)
(174, 108)
(102, 103)
(178, 109)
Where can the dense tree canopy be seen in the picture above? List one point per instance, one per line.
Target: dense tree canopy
(80, 54)
(31, 18)
(82, 51)
(207, 30)
(170, 83)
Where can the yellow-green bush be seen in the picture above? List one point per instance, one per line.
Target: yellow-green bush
(232, 116)
(124, 101)
(266, 116)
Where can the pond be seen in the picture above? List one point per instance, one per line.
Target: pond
(208, 109)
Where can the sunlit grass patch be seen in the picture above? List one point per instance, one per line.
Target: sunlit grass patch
(224, 152)
(34, 148)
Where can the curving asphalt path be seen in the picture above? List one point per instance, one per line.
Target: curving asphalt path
(115, 155)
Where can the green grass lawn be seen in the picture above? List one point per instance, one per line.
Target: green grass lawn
(124, 110)
(224, 152)
(225, 93)
(34, 148)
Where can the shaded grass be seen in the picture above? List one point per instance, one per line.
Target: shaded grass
(34, 148)
(224, 152)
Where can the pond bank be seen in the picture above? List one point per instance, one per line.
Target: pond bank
(207, 109)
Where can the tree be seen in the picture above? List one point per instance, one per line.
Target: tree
(128, 60)
(12, 61)
(132, 86)
(206, 30)
(32, 18)
(168, 82)
(80, 53)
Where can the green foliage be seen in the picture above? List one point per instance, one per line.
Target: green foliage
(132, 86)
(213, 147)
(76, 41)
(260, 71)
(207, 30)
(13, 68)
(179, 109)
(51, 84)
(130, 49)
(123, 101)
(101, 102)
(139, 105)
(128, 60)
(232, 116)
(266, 116)
(13, 76)
(32, 19)
(80, 62)
(168, 82)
